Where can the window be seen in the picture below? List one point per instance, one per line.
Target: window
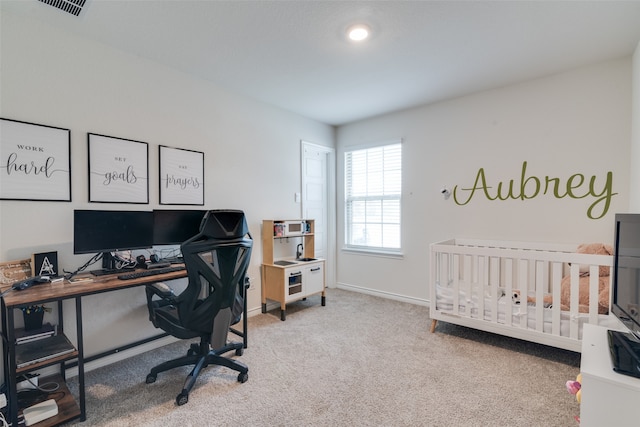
(373, 186)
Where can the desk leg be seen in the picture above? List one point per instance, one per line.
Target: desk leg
(10, 377)
(63, 366)
(83, 414)
(245, 339)
(243, 334)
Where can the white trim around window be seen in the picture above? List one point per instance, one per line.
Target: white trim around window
(373, 196)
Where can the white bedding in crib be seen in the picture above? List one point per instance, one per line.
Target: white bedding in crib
(445, 303)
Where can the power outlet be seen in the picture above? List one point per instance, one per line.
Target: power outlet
(3, 400)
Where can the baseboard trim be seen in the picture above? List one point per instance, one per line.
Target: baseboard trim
(383, 294)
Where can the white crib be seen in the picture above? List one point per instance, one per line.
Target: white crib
(476, 284)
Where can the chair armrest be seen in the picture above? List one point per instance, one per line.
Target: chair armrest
(166, 298)
(162, 290)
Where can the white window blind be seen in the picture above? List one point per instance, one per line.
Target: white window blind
(373, 180)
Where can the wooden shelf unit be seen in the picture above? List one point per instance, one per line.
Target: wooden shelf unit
(268, 239)
(69, 407)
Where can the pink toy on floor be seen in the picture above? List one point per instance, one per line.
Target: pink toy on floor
(575, 387)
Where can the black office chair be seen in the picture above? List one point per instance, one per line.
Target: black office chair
(216, 259)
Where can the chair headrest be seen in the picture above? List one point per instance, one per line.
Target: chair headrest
(224, 224)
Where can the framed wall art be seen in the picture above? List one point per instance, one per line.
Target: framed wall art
(181, 176)
(35, 162)
(118, 170)
(45, 264)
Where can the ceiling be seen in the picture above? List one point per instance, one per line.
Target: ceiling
(294, 54)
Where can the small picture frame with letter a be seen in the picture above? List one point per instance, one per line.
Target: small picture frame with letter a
(44, 264)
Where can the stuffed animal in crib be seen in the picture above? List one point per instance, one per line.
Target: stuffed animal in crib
(583, 284)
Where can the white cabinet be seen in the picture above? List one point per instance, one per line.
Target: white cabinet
(313, 278)
(288, 280)
(303, 280)
(608, 398)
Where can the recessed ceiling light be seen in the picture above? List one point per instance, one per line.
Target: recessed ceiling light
(358, 33)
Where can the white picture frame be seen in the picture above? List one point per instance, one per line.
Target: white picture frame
(181, 176)
(118, 170)
(35, 162)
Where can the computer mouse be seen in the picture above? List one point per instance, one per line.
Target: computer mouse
(24, 284)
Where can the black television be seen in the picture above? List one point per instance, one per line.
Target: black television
(625, 304)
(174, 226)
(103, 231)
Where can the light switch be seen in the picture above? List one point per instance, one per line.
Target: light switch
(298, 197)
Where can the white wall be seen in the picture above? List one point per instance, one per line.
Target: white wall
(634, 190)
(252, 151)
(570, 123)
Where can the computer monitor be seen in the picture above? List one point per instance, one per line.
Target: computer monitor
(101, 231)
(173, 226)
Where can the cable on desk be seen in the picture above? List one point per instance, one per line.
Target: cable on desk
(122, 263)
(97, 257)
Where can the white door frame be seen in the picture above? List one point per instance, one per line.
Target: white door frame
(330, 153)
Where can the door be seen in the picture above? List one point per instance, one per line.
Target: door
(318, 189)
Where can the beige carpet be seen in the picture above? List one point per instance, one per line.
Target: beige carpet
(359, 361)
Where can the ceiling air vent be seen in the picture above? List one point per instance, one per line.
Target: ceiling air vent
(73, 7)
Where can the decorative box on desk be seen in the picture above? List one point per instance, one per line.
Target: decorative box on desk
(288, 280)
(608, 398)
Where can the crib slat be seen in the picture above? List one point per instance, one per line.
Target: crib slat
(594, 281)
(523, 267)
(573, 311)
(556, 281)
(456, 284)
(494, 282)
(468, 282)
(480, 285)
(540, 285)
(508, 275)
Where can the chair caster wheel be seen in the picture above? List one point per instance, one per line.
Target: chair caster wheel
(182, 399)
(151, 379)
(242, 378)
(239, 351)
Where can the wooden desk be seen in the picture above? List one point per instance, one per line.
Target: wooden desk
(68, 409)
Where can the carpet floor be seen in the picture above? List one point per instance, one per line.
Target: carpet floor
(359, 361)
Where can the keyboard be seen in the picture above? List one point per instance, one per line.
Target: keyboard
(108, 271)
(153, 272)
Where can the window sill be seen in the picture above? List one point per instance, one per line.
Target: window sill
(374, 252)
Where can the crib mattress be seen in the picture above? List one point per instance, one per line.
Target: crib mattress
(522, 316)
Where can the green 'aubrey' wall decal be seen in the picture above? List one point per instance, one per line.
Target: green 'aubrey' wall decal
(530, 187)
